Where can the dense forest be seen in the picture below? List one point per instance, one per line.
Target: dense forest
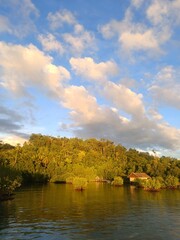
(46, 158)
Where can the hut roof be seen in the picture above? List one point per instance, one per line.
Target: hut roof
(139, 175)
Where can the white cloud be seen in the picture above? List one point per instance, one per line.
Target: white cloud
(124, 99)
(123, 116)
(132, 36)
(135, 36)
(50, 43)
(143, 128)
(139, 41)
(169, 134)
(23, 68)
(13, 139)
(11, 123)
(19, 70)
(109, 30)
(76, 40)
(61, 17)
(120, 96)
(84, 105)
(5, 25)
(142, 132)
(165, 87)
(27, 7)
(154, 115)
(78, 28)
(89, 119)
(79, 40)
(88, 69)
(129, 82)
(19, 19)
(157, 11)
(164, 12)
(137, 3)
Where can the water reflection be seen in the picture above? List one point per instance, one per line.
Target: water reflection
(101, 212)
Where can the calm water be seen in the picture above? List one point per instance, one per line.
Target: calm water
(56, 211)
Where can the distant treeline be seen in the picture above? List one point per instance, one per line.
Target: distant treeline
(46, 158)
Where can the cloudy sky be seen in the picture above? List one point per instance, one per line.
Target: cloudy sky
(91, 69)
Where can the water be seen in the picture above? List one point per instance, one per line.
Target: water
(56, 211)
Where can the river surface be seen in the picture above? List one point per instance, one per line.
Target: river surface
(58, 212)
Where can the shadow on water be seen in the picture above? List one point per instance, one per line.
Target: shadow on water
(57, 211)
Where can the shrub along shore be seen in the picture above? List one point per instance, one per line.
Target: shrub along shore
(50, 159)
(157, 183)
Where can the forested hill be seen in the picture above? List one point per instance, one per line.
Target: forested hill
(56, 159)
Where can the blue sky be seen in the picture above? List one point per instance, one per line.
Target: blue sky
(91, 69)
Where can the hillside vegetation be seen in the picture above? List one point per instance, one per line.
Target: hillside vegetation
(46, 158)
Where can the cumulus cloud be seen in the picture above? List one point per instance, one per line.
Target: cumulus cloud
(11, 114)
(164, 12)
(5, 25)
(143, 128)
(144, 133)
(78, 43)
(19, 70)
(88, 117)
(149, 37)
(88, 69)
(124, 99)
(129, 83)
(13, 139)
(119, 95)
(51, 44)
(19, 23)
(137, 3)
(61, 17)
(133, 37)
(165, 87)
(139, 41)
(112, 28)
(84, 106)
(77, 39)
(11, 122)
(6, 125)
(154, 114)
(110, 109)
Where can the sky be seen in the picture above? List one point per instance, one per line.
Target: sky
(106, 69)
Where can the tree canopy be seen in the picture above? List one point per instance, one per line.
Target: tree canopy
(46, 158)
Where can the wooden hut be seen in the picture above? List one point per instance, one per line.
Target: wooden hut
(133, 176)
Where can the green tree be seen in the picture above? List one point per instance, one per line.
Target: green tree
(118, 181)
(171, 182)
(79, 183)
(152, 184)
(9, 181)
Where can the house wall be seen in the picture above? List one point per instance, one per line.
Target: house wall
(132, 179)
